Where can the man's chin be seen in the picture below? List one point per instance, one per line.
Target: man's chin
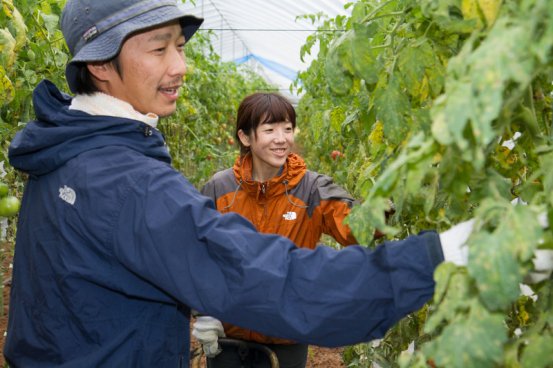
(167, 112)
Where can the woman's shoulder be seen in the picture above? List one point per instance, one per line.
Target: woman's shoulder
(221, 182)
(222, 175)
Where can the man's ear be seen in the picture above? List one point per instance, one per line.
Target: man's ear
(244, 138)
(101, 70)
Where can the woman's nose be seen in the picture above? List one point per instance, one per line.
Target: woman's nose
(280, 136)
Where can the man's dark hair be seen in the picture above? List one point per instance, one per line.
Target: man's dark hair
(85, 82)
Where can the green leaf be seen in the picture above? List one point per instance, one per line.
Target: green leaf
(391, 107)
(452, 295)
(538, 353)
(522, 231)
(337, 75)
(336, 116)
(473, 340)
(365, 61)
(542, 47)
(546, 162)
(495, 269)
(413, 62)
(498, 261)
(51, 22)
(368, 217)
(452, 113)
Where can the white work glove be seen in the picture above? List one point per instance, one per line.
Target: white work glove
(456, 251)
(543, 258)
(454, 242)
(543, 265)
(207, 331)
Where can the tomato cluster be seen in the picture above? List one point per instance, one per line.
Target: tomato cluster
(9, 205)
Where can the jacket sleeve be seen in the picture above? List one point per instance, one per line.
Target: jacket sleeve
(171, 235)
(335, 204)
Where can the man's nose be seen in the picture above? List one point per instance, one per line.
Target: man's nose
(178, 63)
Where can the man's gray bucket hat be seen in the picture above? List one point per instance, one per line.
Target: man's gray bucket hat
(95, 30)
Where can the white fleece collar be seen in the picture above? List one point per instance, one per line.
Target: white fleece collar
(100, 103)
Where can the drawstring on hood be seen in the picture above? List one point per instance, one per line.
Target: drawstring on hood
(234, 195)
(285, 182)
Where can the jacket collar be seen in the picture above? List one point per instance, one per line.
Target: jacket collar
(103, 104)
(292, 172)
(60, 133)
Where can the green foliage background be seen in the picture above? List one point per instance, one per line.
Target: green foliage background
(443, 107)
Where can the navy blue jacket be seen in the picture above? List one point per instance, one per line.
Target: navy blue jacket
(114, 247)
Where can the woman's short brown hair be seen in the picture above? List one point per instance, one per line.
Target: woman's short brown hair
(262, 108)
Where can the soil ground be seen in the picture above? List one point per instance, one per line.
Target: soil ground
(318, 357)
(5, 284)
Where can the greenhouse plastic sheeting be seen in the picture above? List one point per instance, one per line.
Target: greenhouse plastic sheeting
(265, 34)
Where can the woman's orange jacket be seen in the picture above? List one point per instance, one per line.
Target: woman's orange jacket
(298, 204)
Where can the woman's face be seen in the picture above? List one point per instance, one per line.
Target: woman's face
(270, 146)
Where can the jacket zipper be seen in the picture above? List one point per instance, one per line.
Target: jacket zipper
(263, 190)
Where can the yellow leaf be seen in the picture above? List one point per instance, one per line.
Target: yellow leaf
(424, 89)
(484, 11)
(470, 9)
(7, 47)
(7, 5)
(490, 9)
(377, 134)
(7, 92)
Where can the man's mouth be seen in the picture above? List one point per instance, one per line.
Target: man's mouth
(170, 90)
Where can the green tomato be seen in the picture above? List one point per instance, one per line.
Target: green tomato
(9, 206)
(3, 189)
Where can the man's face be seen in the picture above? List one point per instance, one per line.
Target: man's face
(152, 65)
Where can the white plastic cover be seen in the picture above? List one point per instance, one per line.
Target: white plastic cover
(266, 34)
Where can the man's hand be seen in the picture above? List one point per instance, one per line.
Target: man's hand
(207, 331)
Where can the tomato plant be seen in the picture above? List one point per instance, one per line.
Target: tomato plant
(9, 206)
(444, 107)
